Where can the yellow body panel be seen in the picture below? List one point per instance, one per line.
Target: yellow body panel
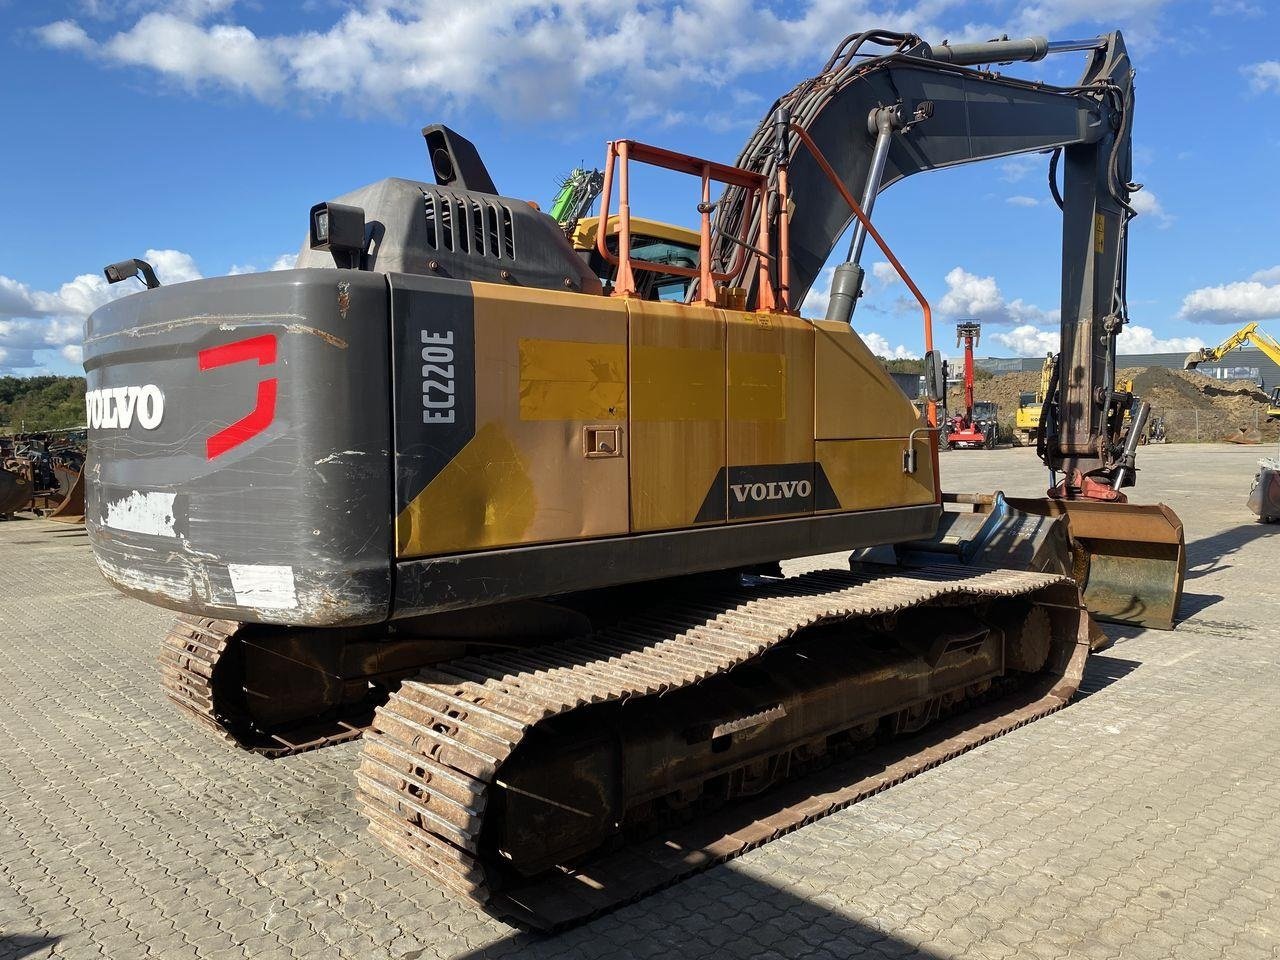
(564, 380)
(867, 474)
(856, 397)
(523, 477)
(677, 411)
(599, 417)
(1028, 417)
(770, 386)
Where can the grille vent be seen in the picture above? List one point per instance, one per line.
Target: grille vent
(461, 224)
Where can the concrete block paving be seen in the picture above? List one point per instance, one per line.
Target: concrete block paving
(1141, 822)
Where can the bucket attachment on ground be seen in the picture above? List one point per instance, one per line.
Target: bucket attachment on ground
(71, 509)
(1129, 559)
(15, 492)
(1264, 498)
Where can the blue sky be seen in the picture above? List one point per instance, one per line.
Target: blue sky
(199, 133)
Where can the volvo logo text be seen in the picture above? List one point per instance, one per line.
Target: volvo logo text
(779, 490)
(122, 407)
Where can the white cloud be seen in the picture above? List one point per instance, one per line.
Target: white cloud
(1148, 204)
(1138, 339)
(1016, 169)
(1050, 16)
(231, 56)
(969, 295)
(880, 347)
(1269, 275)
(1021, 201)
(1263, 76)
(819, 295)
(286, 261)
(52, 321)
(1028, 340)
(884, 273)
(1236, 8)
(1237, 302)
(517, 56)
(65, 35)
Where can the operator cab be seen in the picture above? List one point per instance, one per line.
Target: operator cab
(651, 240)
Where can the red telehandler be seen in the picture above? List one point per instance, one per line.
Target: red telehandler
(978, 424)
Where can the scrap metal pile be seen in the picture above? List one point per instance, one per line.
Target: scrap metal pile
(42, 473)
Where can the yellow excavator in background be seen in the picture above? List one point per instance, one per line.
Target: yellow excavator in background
(1250, 333)
(1026, 421)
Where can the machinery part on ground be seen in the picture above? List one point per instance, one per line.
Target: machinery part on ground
(71, 509)
(16, 490)
(1249, 436)
(1264, 494)
(48, 465)
(1129, 559)
(555, 783)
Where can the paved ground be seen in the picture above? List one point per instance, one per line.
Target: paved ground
(1143, 821)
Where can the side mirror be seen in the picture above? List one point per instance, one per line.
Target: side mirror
(935, 377)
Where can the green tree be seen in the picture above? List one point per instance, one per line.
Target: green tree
(41, 403)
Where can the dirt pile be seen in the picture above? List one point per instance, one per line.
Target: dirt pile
(1194, 407)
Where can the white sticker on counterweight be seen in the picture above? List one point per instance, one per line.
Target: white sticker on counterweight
(264, 586)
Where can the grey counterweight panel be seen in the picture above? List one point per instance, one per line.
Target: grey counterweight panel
(249, 475)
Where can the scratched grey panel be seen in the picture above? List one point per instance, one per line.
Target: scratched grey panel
(310, 492)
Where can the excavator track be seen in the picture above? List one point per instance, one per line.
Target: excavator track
(192, 663)
(436, 754)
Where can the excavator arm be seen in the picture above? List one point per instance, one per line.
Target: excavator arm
(1249, 333)
(921, 107)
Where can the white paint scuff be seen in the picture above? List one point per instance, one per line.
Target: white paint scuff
(139, 512)
(264, 586)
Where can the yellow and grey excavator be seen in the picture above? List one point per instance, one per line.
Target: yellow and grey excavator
(1250, 333)
(1026, 420)
(514, 512)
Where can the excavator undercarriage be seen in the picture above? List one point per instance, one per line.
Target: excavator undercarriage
(549, 778)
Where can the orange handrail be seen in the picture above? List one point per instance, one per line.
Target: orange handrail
(884, 248)
(619, 153)
(871, 230)
(902, 272)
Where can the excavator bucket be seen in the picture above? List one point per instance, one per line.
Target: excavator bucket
(71, 509)
(1130, 559)
(15, 492)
